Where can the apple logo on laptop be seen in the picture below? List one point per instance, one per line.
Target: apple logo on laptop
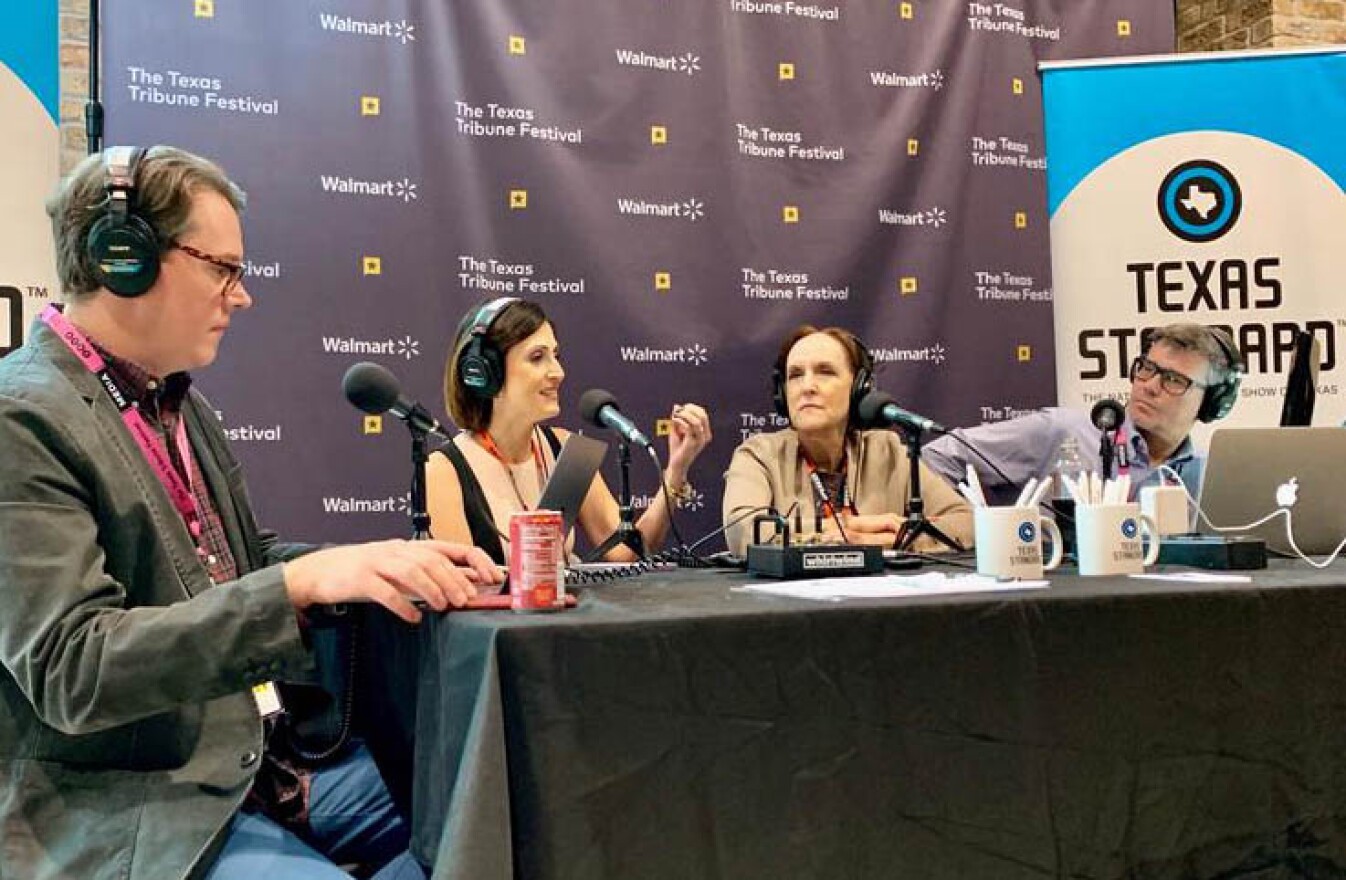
(1287, 493)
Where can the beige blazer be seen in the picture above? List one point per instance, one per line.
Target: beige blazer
(767, 469)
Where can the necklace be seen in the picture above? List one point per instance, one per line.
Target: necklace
(488, 443)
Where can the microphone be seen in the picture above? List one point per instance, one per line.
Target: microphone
(599, 407)
(877, 409)
(375, 390)
(1107, 415)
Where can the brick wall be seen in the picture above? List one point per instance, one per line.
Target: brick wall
(1222, 25)
(74, 55)
(1203, 26)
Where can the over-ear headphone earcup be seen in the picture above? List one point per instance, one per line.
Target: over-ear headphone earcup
(1220, 397)
(481, 367)
(124, 254)
(480, 370)
(778, 401)
(863, 384)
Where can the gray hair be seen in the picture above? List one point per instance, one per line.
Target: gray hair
(166, 180)
(1189, 336)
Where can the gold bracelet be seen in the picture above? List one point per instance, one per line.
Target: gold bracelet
(683, 495)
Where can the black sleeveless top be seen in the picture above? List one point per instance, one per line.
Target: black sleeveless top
(480, 522)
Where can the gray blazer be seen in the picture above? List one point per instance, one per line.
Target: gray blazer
(128, 735)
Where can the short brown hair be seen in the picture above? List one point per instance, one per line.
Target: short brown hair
(166, 180)
(1189, 336)
(515, 323)
(856, 353)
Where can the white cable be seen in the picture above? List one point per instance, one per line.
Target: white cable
(1289, 523)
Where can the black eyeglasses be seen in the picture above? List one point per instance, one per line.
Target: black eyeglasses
(234, 270)
(1173, 382)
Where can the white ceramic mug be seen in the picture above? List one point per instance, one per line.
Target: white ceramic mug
(1009, 542)
(1108, 539)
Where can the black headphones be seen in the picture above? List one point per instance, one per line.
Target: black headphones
(481, 366)
(122, 245)
(860, 386)
(1219, 397)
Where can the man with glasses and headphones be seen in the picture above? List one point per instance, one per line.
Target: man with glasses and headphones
(144, 616)
(1186, 373)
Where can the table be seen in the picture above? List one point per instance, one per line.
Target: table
(673, 727)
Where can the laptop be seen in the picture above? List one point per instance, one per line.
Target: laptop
(571, 478)
(1251, 472)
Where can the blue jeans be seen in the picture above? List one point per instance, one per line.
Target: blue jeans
(352, 819)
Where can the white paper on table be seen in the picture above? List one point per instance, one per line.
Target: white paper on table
(889, 586)
(1196, 577)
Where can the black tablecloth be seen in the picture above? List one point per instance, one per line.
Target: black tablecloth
(674, 727)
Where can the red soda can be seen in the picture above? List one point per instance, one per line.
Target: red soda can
(536, 561)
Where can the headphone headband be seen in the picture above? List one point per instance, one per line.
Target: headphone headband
(486, 315)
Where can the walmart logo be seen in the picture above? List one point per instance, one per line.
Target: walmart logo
(685, 63)
(934, 353)
(693, 355)
(406, 347)
(696, 502)
(691, 209)
(390, 504)
(933, 80)
(404, 189)
(401, 31)
(934, 217)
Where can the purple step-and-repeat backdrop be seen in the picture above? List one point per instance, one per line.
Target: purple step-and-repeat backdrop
(678, 182)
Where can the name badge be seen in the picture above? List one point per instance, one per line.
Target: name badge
(268, 699)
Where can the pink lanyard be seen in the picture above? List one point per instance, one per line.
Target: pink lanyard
(1121, 452)
(151, 444)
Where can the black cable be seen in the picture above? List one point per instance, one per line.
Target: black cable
(942, 559)
(821, 491)
(668, 503)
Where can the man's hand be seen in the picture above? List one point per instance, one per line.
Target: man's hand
(391, 573)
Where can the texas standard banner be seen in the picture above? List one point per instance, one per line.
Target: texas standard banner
(29, 153)
(1207, 189)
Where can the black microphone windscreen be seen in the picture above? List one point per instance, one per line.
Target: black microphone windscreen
(371, 388)
(594, 400)
(1107, 414)
(870, 408)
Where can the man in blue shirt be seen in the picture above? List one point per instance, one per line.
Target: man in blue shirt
(1185, 374)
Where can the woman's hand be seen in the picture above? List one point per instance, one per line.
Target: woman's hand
(870, 528)
(689, 435)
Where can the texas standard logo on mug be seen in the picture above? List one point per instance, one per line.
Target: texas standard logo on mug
(1009, 542)
(1109, 539)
